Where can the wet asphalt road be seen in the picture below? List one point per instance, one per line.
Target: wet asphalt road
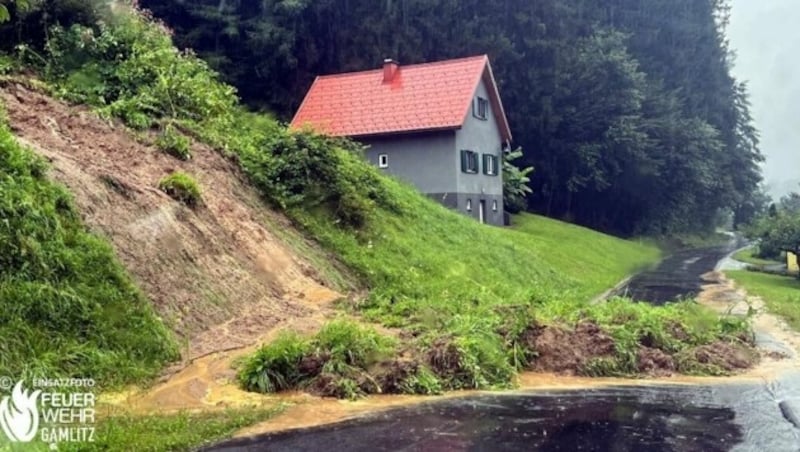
(732, 417)
(677, 276)
(669, 418)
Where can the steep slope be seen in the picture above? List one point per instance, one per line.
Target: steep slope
(216, 274)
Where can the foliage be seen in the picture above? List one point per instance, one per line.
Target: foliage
(515, 183)
(780, 293)
(337, 359)
(5, 15)
(776, 234)
(182, 187)
(310, 171)
(171, 141)
(70, 310)
(276, 367)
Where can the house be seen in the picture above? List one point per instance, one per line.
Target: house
(440, 126)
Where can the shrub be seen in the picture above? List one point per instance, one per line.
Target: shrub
(181, 187)
(335, 362)
(275, 367)
(171, 141)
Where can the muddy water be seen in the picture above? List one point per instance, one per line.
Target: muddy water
(758, 410)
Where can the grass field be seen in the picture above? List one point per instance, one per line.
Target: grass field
(780, 293)
(748, 256)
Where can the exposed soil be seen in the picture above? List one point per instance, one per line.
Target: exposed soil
(217, 274)
(564, 351)
(654, 362)
(726, 356)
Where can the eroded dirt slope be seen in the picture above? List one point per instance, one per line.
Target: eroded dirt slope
(216, 273)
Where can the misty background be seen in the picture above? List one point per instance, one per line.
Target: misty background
(764, 35)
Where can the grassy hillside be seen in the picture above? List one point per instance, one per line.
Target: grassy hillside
(68, 307)
(474, 303)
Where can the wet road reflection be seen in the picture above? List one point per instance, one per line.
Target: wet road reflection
(677, 276)
(671, 418)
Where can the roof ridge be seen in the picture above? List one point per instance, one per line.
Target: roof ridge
(408, 66)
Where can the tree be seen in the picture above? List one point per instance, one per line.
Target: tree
(515, 183)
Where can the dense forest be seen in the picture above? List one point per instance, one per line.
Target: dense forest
(626, 109)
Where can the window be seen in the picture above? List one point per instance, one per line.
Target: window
(490, 165)
(481, 108)
(469, 162)
(494, 206)
(469, 205)
(383, 161)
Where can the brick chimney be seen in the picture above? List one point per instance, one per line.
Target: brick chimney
(390, 68)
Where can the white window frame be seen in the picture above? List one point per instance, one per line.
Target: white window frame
(490, 166)
(383, 160)
(469, 205)
(481, 104)
(494, 206)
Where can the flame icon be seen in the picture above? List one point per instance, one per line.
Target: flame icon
(19, 415)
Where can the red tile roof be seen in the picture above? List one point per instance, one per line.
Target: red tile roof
(420, 97)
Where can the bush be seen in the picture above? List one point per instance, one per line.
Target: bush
(310, 171)
(335, 362)
(181, 187)
(131, 67)
(275, 367)
(174, 143)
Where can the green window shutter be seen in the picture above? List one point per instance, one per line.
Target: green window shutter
(496, 165)
(463, 161)
(486, 158)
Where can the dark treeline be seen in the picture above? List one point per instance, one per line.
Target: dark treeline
(626, 108)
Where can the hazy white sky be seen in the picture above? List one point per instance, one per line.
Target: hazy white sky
(766, 37)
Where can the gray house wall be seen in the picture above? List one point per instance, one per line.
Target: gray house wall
(432, 163)
(424, 160)
(483, 137)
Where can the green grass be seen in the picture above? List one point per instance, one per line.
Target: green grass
(172, 432)
(748, 256)
(780, 293)
(171, 141)
(69, 309)
(182, 187)
(598, 260)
